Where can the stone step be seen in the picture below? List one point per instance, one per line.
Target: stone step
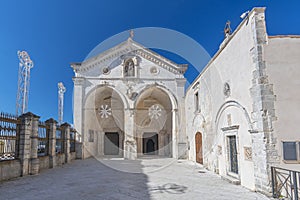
(232, 180)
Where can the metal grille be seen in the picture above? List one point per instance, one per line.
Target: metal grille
(72, 139)
(8, 136)
(285, 183)
(233, 154)
(43, 139)
(59, 148)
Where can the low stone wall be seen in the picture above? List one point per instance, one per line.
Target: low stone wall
(60, 159)
(73, 155)
(10, 169)
(44, 162)
(33, 137)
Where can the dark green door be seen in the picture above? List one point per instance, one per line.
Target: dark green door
(233, 155)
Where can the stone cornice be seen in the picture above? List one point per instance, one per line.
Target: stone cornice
(124, 48)
(78, 80)
(229, 128)
(29, 114)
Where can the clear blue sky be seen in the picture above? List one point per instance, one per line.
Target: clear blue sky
(56, 33)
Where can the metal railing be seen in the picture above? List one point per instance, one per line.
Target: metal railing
(8, 136)
(43, 142)
(59, 148)
(285, 183)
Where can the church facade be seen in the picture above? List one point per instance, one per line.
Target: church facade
(238, 118)
(127, 103)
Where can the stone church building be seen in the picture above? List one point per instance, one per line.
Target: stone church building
(238, 118)
(128, 101)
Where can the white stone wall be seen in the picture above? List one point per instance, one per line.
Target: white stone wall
(282, 55)
(232, 64)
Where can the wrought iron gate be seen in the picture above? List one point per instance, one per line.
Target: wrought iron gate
(285, 183)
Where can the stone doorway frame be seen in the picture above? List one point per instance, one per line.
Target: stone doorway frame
(231, 131)
(145, 141)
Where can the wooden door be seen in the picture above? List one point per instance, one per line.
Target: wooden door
(199, 155)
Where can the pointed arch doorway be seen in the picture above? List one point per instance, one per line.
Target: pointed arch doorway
(199, 154)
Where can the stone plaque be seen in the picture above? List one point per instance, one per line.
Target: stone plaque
(248, 153)
(219, 150)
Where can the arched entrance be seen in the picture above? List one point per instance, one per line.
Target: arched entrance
(153, 122)
(104, 123)
(199, 154)
(150, 143)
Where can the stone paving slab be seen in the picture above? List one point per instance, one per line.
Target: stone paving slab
(148, 179)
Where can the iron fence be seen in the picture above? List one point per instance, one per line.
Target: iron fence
(43, 142)
(59, 148)
(285, 183)
(8, 136)
(72, 139)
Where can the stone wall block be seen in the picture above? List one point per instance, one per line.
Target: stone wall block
(27, 150)
(66, 138)
(34, 161)
(52, 142)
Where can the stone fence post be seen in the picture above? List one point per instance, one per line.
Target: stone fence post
(51, 123)
(66, 139)
(28, 143)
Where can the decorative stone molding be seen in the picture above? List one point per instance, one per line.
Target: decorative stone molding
(219, 150)
(154, 70)
(229, 128)
(78, 80)
(226, 90)
(128, 47)
(248, 153)
(105, 70)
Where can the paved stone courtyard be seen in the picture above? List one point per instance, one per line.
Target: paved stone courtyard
(148, 179)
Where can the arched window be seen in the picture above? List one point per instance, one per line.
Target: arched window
(129, 68)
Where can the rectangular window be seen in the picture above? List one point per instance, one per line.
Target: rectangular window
(289, 151)
(91, 135)
(196, 102)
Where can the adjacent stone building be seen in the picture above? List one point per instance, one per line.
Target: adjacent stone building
(238, 118)
(243, 106)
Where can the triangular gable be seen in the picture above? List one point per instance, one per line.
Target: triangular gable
(126, 47)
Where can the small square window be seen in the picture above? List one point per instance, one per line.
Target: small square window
(289, 151)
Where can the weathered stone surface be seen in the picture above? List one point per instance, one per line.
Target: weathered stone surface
(156, 179)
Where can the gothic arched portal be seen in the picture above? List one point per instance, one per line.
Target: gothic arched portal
(153, 122)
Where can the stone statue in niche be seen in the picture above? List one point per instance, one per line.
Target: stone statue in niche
(129, 70)
(226, 90)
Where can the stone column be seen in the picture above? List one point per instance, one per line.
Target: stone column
(78, 113)
(66, 138)
(174, 135)
(130, 147)
(28, 141)
(161, 143)
(51, 123)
